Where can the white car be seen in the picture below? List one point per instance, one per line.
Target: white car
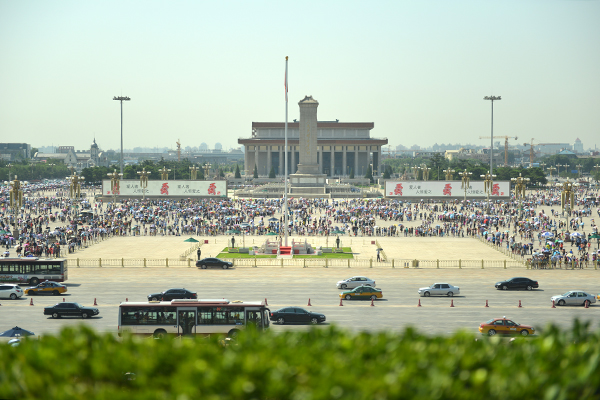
(355, 281)
(9, 291)
(439, 289)
(573, 298)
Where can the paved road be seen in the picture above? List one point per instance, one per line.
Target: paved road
(294, 286)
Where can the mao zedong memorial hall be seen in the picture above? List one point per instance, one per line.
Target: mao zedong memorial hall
(317, 150)
(334, 147)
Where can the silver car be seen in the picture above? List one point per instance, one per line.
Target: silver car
(439, 289)
(573, 298)
(10, 291)
(355, 281)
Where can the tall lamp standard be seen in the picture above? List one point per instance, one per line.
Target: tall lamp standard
(466, 181)
(16, 202)
(492, 98)
(193, 172)
(558, 166)
(426, 170)
(206, 171)
(488, 183)
(121, 99)
(520, 191)
(449, 174)
(114, 185)
(567, 200)
(597, 167)
(9, 166)
(579, 166)
(143, 181)
(550, 170)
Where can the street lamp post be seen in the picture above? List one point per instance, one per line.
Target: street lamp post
(143, 181)
(520, 191)
(550, 170)
(558, 166)
(567, 199)
(121, 99)
(114, 185)
(9, 166)
(415, 172)
(206, 170)
(579, 167)
(466, 182)
(164, 173)
(597, 167)
(449, 174)
(488, 183)
(492, 99)
(426, 170)
(193, 172)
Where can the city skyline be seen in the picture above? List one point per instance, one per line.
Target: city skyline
(204, 72)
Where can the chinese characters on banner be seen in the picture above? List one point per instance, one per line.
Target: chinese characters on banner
(161, 188)
(447, 189)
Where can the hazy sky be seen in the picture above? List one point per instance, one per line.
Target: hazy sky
(203, 71)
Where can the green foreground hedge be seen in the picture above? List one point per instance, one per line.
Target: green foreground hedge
(325, 363)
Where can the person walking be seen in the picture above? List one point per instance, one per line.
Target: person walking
(337, 242)
(378, 255)
(199, 252)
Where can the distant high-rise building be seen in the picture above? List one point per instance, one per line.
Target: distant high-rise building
(578, 146)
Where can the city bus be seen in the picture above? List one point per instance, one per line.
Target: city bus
(191, 317)
(33, 270)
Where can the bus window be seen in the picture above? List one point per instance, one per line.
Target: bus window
(254, 317)
(205, 316)
(236, 316)
(219, 315)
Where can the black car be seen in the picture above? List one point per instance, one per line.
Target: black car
(171, 294)
(296, 315)
(517, 283)
(213, 262)
(70, 310)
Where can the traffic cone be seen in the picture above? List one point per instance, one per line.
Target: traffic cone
(419, 305)
(126, 299)
(95, 302)
(309, 305)
(31, 302)
(486, 303)
(520, 304)
(587, 304)
(372, 304)
(341, 304)
(452, 303)
(266, 304)
(553, 306)
(63, 299)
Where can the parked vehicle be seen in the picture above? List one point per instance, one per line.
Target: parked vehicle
(573, 298)
(296, 315)
(60, 310)
(439, 289)
(355, 281)
(172, 294)
(46, 287)
(9, 291)
(213, 262)
(362, 292)
(517, 283)
(504, 326)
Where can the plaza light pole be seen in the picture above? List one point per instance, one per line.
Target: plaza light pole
(114, 185)
(567, 199)
(426, 170)
(558, 166)
(597, 167)
(466, 182)
(550, 170)
(449, 174)
(121, 99)
(488, 181)
(143, 182)
(579, 167)
(492, 98)
(16, 202)
(520, 191)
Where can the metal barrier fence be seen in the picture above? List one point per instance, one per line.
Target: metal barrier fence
(256, 262)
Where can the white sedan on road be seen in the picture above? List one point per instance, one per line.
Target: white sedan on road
(439, 289)
(573, 298)
(355, 281)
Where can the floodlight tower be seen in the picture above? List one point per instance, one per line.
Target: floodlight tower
(121, 99)
(492, 98)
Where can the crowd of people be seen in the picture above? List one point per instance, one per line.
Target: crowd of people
(49, 223)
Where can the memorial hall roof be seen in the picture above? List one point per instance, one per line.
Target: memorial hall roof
(324, 125)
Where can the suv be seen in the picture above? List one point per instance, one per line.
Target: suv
(172, 294)
(8, 291)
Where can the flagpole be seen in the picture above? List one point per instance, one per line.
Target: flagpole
(285, 178)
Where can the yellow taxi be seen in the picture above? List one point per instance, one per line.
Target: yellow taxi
(362, 292)
(46, 287)
(505, 326)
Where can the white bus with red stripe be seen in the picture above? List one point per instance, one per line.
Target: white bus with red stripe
(191, 317)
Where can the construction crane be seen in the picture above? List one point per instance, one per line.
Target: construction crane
(178, 150)
(505, 145)
(531, 152)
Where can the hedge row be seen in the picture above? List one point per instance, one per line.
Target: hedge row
(326, 363)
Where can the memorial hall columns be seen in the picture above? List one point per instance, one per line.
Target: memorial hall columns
(333, 160)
